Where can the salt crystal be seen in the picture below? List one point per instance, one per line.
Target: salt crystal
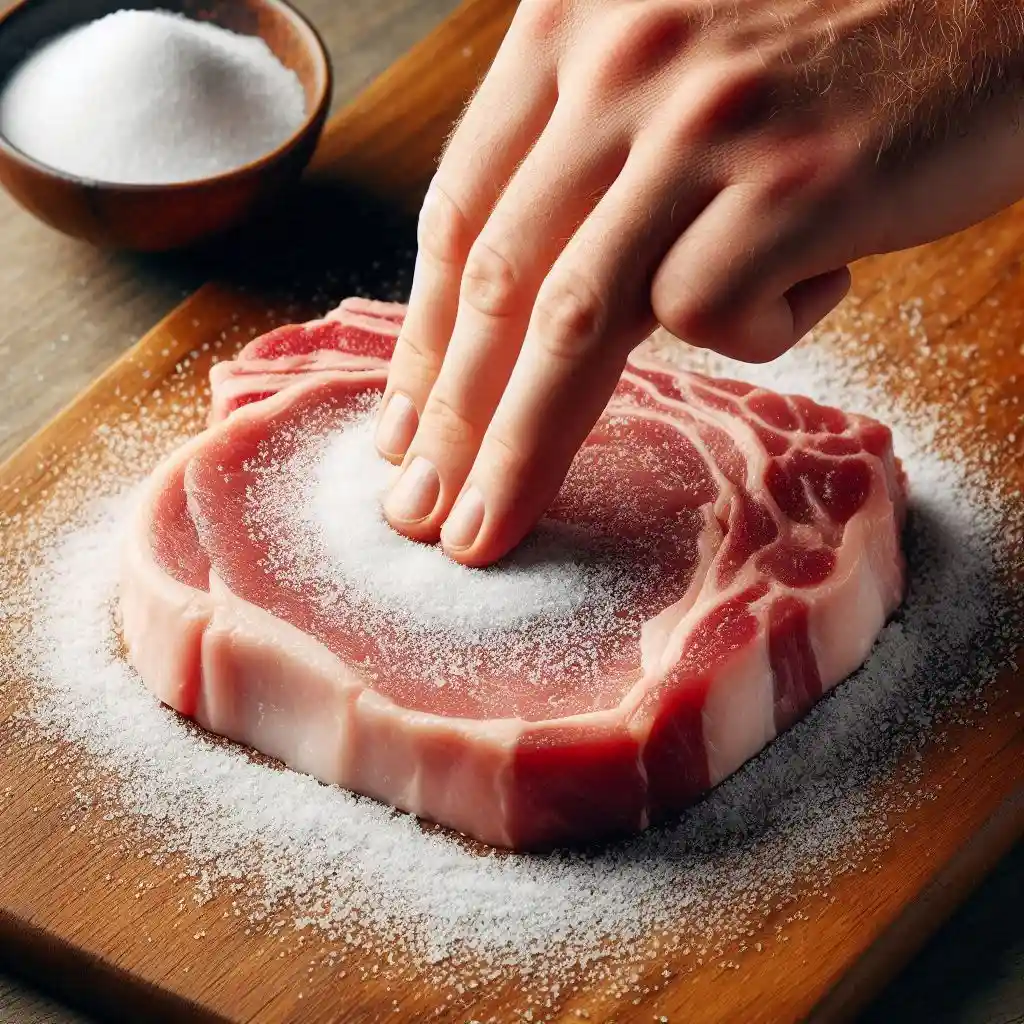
(149, 97)
(816, 804)
(563, 605)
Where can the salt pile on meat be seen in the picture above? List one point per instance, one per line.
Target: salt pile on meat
(809, 808)
(539, 615)
(340, 488)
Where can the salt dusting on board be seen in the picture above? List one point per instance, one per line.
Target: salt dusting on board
(808, 808)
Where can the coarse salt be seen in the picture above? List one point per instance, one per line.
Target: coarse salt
(149, 97)
(816, 804)
(554, 615)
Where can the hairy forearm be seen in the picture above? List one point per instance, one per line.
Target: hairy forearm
(927, 64)
(911, 70)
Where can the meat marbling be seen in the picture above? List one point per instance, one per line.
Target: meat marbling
(359, 334)
(751, 547)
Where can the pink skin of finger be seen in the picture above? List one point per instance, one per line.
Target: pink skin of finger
(712, 168)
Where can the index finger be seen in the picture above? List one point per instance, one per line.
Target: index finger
(507, 114)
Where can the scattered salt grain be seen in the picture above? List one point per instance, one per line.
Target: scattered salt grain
(818, 803)
(149, 97)
(564, 606)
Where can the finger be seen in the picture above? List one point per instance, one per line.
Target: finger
(551, 194)
(508, 113)
(811, 300)
(592, 310)
(751, 276)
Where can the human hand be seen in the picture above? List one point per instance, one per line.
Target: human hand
(709, 166)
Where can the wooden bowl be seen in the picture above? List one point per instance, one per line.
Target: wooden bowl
(155, 218)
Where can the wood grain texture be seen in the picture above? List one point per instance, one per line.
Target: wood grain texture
(21, 1006)
(94, 934)
(973, 970)
(69, 310)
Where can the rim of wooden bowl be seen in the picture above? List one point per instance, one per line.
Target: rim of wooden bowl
(311, 121)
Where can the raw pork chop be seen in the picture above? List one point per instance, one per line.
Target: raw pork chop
(359, 334)
(719, 558)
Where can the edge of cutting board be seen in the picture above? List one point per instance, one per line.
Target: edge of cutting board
(907, 935)
(390, 155)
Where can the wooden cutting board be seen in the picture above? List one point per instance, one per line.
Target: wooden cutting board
(62, 920)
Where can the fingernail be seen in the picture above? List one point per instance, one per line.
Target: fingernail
(464, 521)
(415, 494)
(396, 426)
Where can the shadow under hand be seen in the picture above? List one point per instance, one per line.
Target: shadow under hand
(321, 241)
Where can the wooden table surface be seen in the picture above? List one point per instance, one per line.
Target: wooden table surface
(66, 311)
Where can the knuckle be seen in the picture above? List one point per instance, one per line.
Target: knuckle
(569, 316)
(790, 175)
(446, 423)
(505, 460)
(810, 169)
(541, 20)
(830, 166)
(489, 282)
(414, 360)
(442, 227)
(733, 97)
(640, 41)
(685, 313)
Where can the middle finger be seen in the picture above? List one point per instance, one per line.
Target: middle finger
(552, 193)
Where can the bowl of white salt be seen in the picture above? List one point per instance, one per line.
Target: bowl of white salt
(158, 126)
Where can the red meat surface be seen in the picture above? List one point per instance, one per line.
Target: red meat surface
(743, 550)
